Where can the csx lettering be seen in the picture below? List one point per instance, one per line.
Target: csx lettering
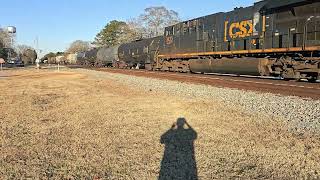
(241, 29)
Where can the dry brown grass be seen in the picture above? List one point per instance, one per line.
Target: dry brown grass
(73, 126)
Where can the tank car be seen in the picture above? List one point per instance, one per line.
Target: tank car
(71, 58)
(270, 38)
(108, 57)
(60, 59)
(140, 54)
(87, 58)
(81, 58)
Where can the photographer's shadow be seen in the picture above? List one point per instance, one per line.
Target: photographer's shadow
(179, 160)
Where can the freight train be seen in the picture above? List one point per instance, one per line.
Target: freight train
(271, 38)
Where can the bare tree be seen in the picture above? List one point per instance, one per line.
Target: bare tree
(151, 23)
(131, 31)
(137, 26)
(4, 39)
(22, 48)
(78, 46)
(155, 19)
(27, 54)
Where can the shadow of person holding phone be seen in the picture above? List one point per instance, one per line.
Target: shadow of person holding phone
(179, 159)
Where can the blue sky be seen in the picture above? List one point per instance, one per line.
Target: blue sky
(59, 22)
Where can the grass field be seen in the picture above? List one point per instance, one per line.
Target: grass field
(72, 125)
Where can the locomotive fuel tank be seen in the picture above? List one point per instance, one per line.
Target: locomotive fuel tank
(238, 66)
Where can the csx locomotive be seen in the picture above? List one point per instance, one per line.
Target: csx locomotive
(271, 38)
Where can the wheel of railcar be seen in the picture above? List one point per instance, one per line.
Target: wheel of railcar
(288, 74)
(98, 64)
(312, 79)
(297, 79)
(86, 63)
(286, 78)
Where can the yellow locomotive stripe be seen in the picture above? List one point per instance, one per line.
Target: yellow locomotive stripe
(254, 51)
(225, 30)
(263, 24)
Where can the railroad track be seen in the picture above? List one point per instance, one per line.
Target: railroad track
(264, 85)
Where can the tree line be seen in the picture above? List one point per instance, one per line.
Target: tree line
(149, 24)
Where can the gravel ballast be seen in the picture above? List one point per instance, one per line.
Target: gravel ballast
(301, 114)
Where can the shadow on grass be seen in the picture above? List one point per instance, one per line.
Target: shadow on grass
(179, 160)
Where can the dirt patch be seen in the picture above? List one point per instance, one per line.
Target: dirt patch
(44, 102)
(77, 126)
(26, 74)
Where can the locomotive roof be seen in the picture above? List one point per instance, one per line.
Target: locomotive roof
(272, 5)
(266, 6)
(217, 13)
